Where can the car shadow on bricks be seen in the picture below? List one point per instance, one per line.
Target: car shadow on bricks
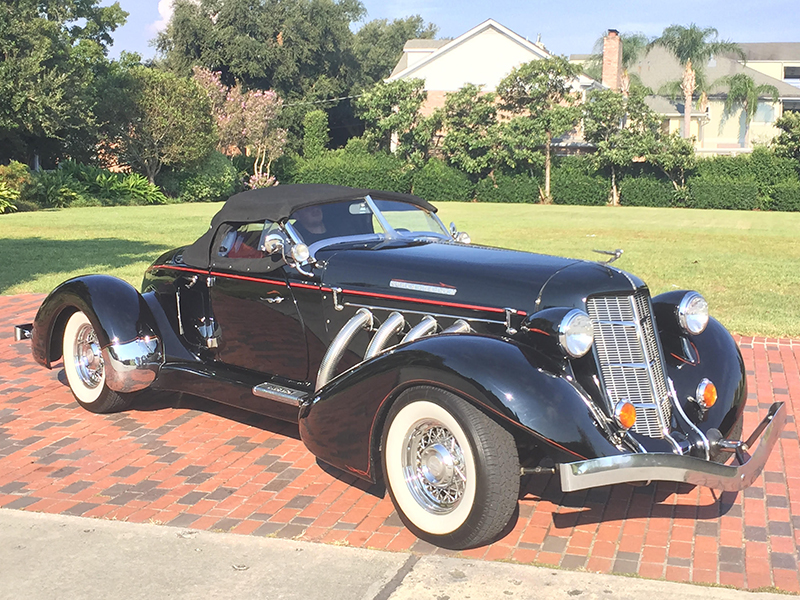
(657, 500)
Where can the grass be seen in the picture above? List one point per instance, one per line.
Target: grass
(747, 264)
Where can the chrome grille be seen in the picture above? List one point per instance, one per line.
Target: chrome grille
(630, 363)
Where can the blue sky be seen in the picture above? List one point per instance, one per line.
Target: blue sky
(566, 28)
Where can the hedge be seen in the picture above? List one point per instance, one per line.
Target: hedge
(355, 169)
(438, 182)
(785, 196)
(719, 193)
(569, 186)
(215, 178)
(762, 166)
(508, 188)
(645, 191)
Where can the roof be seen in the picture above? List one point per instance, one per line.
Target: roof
(425, 44)
(780, 51)
(659, 67)
(403, 70)
(277, 204)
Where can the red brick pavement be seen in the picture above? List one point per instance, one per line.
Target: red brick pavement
(189, 463)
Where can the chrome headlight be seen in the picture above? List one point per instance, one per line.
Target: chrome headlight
(575, 333)
(693, 313)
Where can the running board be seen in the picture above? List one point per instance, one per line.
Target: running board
(279, 393)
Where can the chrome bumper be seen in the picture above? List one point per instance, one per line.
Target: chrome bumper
(629, 468)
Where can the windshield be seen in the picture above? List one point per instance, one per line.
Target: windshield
(367, 217)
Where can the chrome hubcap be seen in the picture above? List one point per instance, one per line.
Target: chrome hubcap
(434, 468)
(88, 357)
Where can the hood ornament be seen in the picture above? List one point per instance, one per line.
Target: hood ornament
(614, 254)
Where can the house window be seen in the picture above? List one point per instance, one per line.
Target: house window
(791, 106)
(765, 113)
(791, 72)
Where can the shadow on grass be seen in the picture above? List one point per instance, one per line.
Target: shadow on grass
(26, 258)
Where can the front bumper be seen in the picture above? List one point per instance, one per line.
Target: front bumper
(629, 468)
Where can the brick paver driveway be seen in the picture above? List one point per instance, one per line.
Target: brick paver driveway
(189, 463)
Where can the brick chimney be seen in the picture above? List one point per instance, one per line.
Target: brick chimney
(612, 60)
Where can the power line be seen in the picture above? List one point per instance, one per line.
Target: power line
(323, 101)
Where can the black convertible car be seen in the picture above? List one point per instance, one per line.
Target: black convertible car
(408, 355)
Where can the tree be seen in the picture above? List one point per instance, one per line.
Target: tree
(391, 113)
(672, 154)
(693, 46)
(246, 121)
(378, 45)
(540, 91)
(743, 93)
(51, 54)
(619, 128)
(788, 141)
(170, 123)
(472, 135)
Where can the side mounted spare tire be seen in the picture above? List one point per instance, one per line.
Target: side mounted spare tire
(451, 471)
(85, 368)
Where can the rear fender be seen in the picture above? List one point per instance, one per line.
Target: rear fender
(123, 322)
(520, 388)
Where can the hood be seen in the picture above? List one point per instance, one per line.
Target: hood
(468, 274)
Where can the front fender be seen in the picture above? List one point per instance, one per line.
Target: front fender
(123, 322)
(517, 386)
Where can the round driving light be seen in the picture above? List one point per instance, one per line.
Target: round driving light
(706, 394)
(300, 253)
(625, 414)
(693, 313)
(575, 333)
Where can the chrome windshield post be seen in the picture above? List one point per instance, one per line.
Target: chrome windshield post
(388, 229)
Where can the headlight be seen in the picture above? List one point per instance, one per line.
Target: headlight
(693, 313)
(575, 333)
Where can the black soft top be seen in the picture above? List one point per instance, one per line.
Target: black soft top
(277, 204)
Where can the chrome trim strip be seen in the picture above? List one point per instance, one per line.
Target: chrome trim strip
(361, 320)
(423, 287)
(132, 366)
(279, 393)
(629, 468)
(425, 327)
(393, 325)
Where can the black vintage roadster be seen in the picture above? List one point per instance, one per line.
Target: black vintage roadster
(408, 355)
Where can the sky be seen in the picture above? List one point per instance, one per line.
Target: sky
(569, 28)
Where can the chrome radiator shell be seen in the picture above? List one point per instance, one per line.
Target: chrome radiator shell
(630, 359)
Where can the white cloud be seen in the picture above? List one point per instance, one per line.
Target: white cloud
(165, 11)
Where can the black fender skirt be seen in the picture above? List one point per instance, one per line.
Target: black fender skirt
(116, 309)
(519, 387)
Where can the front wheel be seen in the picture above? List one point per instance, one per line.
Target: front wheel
(452, 472)
(85, 368)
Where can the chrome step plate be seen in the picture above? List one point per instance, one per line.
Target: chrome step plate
(279, 393)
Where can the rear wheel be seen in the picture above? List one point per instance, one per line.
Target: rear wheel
(85, 369)
(452, 472)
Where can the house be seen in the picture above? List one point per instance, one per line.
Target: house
(482, 56)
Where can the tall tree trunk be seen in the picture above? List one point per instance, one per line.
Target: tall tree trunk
(548, 198)
(614, 190)
(688, 87)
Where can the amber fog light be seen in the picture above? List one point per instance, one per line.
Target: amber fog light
(706, 394)
(625, 414)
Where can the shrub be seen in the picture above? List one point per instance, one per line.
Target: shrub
(345, 167)
(645, 191)
(16, 176)
(763, 167)
(111, 189)
(570, 186)
(55, 189)
(720, 193)
(437, 182)
(508, 188)
(786, 196)
(315, 133)
(8, 197)
(214, 178)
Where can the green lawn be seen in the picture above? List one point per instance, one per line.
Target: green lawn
(747, 264)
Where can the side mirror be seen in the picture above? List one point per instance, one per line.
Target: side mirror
(273, 243)
(459, 236)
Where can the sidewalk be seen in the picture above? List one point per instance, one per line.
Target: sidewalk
(184, 462)
(47, 557)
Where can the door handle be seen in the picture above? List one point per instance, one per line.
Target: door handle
(273, 299)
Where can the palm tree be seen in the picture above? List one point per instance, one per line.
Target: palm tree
(693, 46)
(744, 93)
